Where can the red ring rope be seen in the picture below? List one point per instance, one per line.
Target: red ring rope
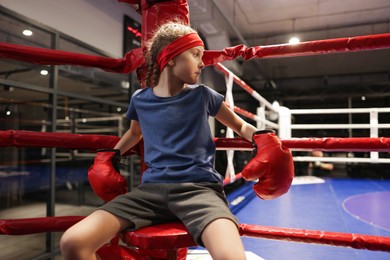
(134, 59)
(357, 241)
(20, 138)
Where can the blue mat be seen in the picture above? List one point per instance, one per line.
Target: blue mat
(338, 205)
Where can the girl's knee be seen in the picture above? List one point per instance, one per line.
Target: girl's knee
(223, 241)
(230, 254)
(71, 245)
(67, 242)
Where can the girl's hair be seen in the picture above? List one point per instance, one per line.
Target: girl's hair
(164, 35)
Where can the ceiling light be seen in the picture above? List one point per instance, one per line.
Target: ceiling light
(27, 32)
(125, 84)
(8, 88)
(275, 105)
(44, 72)
(294, 40)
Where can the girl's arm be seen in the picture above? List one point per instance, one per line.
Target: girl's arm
(230, 119)
(132, 136)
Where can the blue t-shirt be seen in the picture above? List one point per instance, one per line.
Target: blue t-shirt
(177, 138)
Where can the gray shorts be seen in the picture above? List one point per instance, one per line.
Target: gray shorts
(194, 204)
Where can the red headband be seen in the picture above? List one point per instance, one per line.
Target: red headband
(176, 47)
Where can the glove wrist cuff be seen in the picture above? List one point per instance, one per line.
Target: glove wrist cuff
(116, 151)
(259, 132)
(264, 131)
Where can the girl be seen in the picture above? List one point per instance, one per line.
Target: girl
(180, 183)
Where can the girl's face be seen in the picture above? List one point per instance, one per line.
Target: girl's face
(188, 64)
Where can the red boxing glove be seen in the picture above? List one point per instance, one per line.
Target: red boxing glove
(104, 175)
(272, 165)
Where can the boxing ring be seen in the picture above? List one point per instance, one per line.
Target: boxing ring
(15, 138)
(275, 222)
(240, 203)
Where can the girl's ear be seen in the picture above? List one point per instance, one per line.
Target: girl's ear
(171, 62)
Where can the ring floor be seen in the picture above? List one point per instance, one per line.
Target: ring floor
(341, 205)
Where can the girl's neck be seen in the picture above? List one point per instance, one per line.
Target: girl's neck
(162, 91)
(168, 87)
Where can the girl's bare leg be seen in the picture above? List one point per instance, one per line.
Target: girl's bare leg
(222, 240)
(82, 240)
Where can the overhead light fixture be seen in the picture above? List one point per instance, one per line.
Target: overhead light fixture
(27, 32)
(273, 114)
(8, 88)
(294, 40)
(125, 84)
(44, 72)
(275, 105)
(7, 112)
